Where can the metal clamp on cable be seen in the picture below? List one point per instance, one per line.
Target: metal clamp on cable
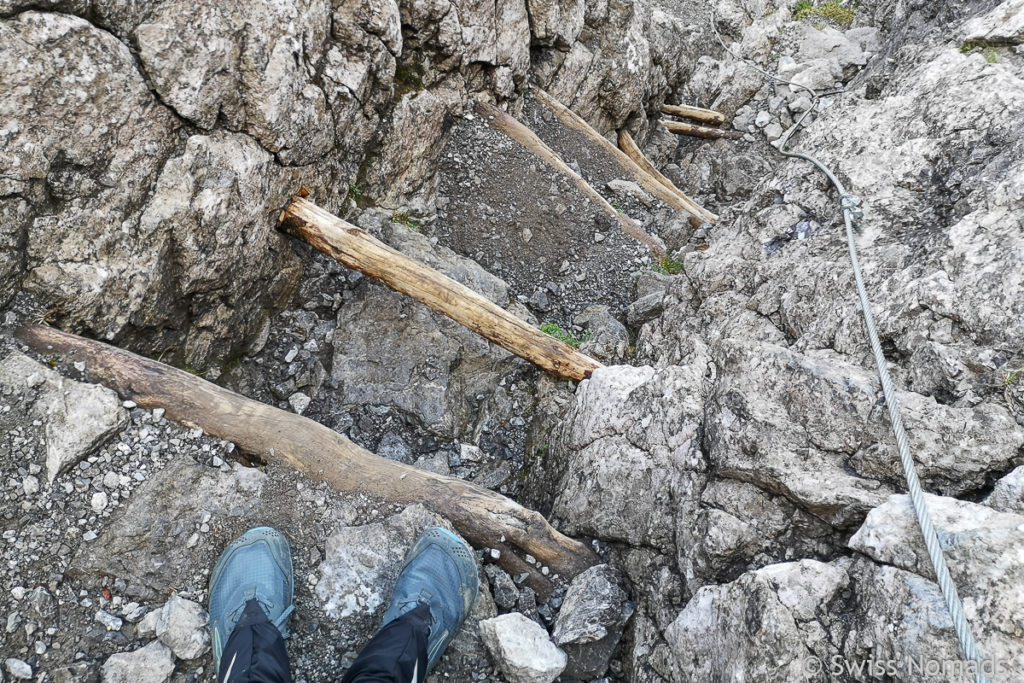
(854, 205)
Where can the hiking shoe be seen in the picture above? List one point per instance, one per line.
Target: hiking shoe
(257, 565)
(440, 572)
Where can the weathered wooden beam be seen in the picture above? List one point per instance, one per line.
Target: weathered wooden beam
(697, 113)
(680, 128)
(670, 195)
(483, 517)
(507, 124)
(631, 149)
(357, 249)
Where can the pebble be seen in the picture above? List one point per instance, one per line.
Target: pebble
(290, 356)
(129, 404)
(111, 480)
(299, 402)
(99, 501)
(158, 414)
(111, 622)
(30, 485)
(18, 668)
(89, 535)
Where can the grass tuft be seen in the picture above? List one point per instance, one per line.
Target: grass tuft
(405, 219)
(666, 265)
(831, 10)
(555, 330)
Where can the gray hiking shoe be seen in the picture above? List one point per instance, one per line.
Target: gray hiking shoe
(440, 572)
(257, 565)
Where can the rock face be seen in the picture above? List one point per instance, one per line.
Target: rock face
(791, 445)
(361, 563)
(522, 649)
(764, 626)
(79, 417)
(380, 338)
(161, 521)
(985, 553)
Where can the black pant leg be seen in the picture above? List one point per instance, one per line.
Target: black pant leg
(397, 654)
(255, 651)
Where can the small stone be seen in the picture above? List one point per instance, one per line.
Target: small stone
(99, 501)
(216, 462)
(79, 365)
(527, 235)
(89, 535)
(290, 356)
(151, 664)
(18, 668)
(471, 453)
(30, 485)
(129, 404)
(800, 104)
(182, 626)
(110, 480)
(598, 237)
(299, 402)
(522, 649)
(762, 119)
(158, 414)
(108, 620)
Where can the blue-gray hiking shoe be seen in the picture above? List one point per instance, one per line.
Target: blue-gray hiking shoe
(440, 572)
(257, 565)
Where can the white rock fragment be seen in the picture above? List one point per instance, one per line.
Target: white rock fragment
(182, 626)
(18, 668)
(99, 501)
(522, 649)
(79, 417)
(30, 485)
(469, 452)
(151, 664)
(299, 402)
(109, 621)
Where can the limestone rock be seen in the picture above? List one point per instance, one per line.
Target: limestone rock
(182, 625)
(1008, 493)
(985, 553)
(392, 351)
(615, 457)
(78, 417)
(522, 649)
(763, 626)
(150, 664)
(361, 563)
(1003, 24)
(590, 623)
(142, 545)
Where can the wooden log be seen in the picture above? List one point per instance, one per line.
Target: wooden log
(633, 152)
(697, 113)
(670, 195)
(483, 517)
(507, 124)
(358, 250)
(680, 128)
